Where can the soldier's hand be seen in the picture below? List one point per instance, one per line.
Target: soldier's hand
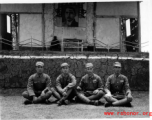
(46, 90)
(108, 95)
(129, 97)
(65, 89)
(42, 93)
(78, 88)
(34, 98)
(95, 92)
(64, 94)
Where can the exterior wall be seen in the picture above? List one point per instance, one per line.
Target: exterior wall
(21, 8)
(15, 71)
(108, 32)
(30, 27)
(117, 8)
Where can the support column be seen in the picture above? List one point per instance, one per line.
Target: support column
(122, 35)
(43, 27)
(139, 27)
(90, 22)
(0, 33)
(49, 23)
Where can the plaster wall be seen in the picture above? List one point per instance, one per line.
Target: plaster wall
(108, 32)
(117, 8)
(32, 25)
(21, 8)
(30, 30)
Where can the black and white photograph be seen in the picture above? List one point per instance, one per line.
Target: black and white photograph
(75, 59)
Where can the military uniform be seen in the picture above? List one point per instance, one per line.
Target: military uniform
(117, 89)
(38, 87)
(90, 88)
(117, 85)
(36, 84)
(89, 84)
(68, 82)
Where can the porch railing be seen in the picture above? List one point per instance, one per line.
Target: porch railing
(35, 43)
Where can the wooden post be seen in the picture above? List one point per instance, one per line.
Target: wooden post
(43, 27)
(0, 34)
(31, 43)
(62, 45)
(139, 27)
(18, 34)
(123, 36)
(94, 26)
(90, 20)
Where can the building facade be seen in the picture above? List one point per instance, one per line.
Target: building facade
(100, 26)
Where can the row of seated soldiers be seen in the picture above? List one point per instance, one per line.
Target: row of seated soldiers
(90, 90)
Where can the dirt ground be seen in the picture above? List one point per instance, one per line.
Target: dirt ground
(12, 107)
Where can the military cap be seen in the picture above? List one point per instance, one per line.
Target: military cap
(39, 63)
(117, 64)
(89, 65)
(64, 64)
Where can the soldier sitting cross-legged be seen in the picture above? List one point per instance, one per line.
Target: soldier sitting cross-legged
(117, 89)
(39, 86)
(65, 84)
(90, 89)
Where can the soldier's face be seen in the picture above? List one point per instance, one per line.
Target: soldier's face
(89, 70)
(39, 69)
(117, 69)
(65, 70)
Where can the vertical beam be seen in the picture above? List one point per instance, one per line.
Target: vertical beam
(0, 30)
(49, 23)
(18, 35)
(16, 31)
(0, 33)
(43, 27)
(139, 26)
(89, 22)
(94, 25)
(122, 35)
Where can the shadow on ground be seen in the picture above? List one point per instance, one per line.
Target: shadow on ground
(12, 107)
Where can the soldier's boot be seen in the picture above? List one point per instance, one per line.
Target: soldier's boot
(128, 105)
(67, 102)
(60, 102)
(94, 102)
(38, 100)
(27, 102)
(77, 100)
(108, 104)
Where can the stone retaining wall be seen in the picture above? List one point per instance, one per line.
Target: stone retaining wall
(15, 70)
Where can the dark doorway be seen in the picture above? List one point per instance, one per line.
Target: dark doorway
(9, 31)
(6, 34)
(130, 26)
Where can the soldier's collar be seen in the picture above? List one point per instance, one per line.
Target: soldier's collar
(92, 76)
(117, 76)
(39, 75)
(65, 75)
